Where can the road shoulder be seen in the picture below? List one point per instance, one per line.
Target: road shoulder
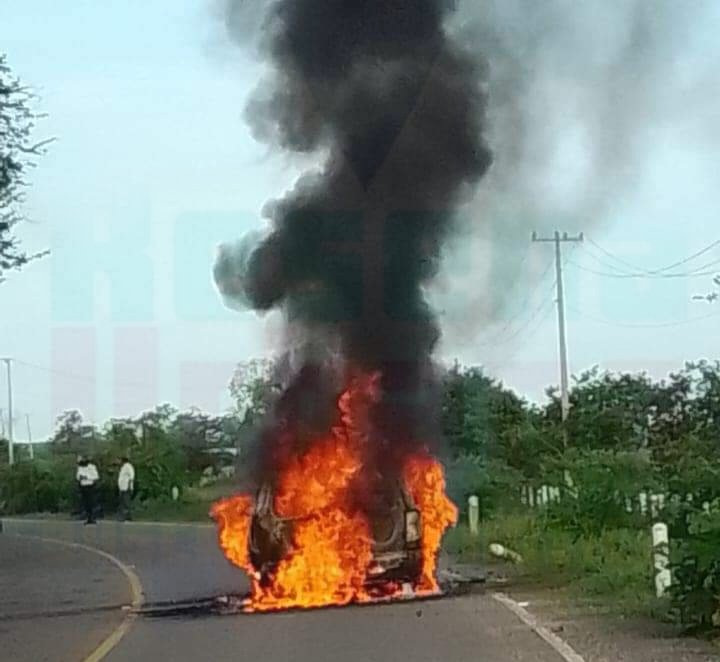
(601, 637)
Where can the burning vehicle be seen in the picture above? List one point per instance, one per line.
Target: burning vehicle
(395, 521)
(348, 502)
(328, 532)
(396, 532)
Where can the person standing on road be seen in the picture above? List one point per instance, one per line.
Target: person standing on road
(126, 485)
(87, 477)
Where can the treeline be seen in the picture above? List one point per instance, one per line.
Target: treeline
(169, 448)
(626, 434)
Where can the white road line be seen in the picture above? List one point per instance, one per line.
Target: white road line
(562, 647)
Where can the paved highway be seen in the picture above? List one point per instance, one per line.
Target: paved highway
(60, 603)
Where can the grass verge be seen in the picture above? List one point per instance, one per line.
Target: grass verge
(192, 506)
(609, 573)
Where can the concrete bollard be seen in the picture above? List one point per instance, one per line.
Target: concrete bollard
(545, 495)
(661, 557)
(654, 505)
(474, 514)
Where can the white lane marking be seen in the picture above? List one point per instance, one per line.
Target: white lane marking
(561, 647)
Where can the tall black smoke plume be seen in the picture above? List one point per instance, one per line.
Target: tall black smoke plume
(396, 109)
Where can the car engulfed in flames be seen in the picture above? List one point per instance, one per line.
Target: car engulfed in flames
(395, 538)
(323, 533)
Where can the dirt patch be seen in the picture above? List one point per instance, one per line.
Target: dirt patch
(613, 638)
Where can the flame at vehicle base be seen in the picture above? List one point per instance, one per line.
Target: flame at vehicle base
(331, 549)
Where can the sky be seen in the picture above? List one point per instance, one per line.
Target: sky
(154, 167)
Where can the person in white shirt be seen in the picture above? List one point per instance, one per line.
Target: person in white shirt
(126, 486)
(87, 477)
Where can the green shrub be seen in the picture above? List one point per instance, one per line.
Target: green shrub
(496, 485)
(39, 486)
(696, 572)
(601, 484)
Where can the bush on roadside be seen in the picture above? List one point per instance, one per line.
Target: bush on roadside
(602, 485)
(496, 484)
(39, 486)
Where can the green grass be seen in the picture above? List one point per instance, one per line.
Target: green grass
(609, 573)
(193, 505)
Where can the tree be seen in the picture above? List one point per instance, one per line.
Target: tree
(254, 389)
(478, 411)
(72, 434)
(17, 154)
(608, 410)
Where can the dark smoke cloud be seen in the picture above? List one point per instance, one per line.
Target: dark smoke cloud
(579, 95)
(398, 101)
(398, 108)
(395, 107)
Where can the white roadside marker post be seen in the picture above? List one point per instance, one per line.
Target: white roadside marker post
(474, 515)
(661, 556)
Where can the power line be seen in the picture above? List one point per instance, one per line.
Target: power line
(608, 274)
(612, 256)
(705, 250)
(638, 272)
(84, 378)
(527, 323)
(506, 359)
(643, 325)
(521, 310)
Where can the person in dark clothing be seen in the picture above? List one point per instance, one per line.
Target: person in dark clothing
(87, 477)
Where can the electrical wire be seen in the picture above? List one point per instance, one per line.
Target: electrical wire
(508, 358)
(612, 256)
(639, 272)
(521, 310)
(84, 378)
(536, 312)
(642, 325)
(608, 274)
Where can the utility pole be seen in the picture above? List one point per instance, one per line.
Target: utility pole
(11, 454)
(30, 443)
(559, 239)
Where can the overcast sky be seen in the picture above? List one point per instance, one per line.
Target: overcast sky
(154, 167)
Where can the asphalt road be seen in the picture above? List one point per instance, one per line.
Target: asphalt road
(56, 604)
(177, 563)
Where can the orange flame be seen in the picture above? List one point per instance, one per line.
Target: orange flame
(331, 546)
(425, 479)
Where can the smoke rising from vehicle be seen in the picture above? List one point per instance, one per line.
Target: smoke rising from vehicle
(580, 97)
(395, 109)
